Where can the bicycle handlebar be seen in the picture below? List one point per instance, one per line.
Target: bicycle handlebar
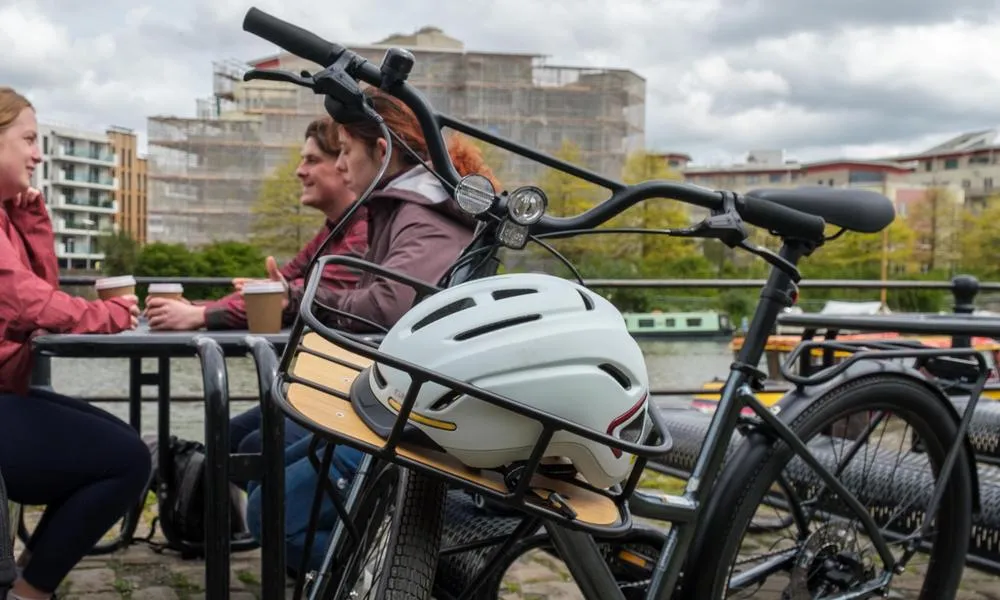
(782, 220)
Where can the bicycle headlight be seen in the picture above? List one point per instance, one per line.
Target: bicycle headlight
(527, 205)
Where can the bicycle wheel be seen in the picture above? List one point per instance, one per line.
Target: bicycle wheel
(399, 520)
(825, 555)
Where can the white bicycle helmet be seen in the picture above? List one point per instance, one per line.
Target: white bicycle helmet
(540, 340)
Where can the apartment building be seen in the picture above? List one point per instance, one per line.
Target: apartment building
(970, 161)
(205, 172)
(77, 176)
(131, 194)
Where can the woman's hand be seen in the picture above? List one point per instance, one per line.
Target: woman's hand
(131, 302)
(177, 315)
(26, 198)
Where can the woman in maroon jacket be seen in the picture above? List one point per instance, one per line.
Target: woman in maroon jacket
(415, 227)
(86, 466)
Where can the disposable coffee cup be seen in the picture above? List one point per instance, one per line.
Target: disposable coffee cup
(174, 291)
(112, 287)
(263, 301)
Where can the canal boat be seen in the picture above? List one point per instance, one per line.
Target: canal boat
(688, 325)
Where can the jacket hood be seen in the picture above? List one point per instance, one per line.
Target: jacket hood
(420, 186)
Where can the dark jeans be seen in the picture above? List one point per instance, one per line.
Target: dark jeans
(86, 467)
(301, 480)
(245, 437)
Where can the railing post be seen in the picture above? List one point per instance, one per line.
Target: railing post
(964, 289)
(41, 371)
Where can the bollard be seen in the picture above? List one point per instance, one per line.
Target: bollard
(964, 289)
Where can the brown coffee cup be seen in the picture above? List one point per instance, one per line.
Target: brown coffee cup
(174, 291)
(263, 301)
(112, 287)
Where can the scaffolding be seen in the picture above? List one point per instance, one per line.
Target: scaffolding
(205, 173)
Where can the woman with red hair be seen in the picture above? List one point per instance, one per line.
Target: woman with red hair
(414, 227)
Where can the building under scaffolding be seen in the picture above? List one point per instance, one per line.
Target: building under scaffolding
(205, 173)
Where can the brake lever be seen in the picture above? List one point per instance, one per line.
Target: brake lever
(304, 80)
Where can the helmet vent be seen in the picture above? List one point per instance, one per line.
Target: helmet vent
(444, 311)
(587, 300)
(616, 374)
(379, 380)
(446, 401)
(501, 294)
(477, 331)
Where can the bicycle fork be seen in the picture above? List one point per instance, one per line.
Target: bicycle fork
(320, 580)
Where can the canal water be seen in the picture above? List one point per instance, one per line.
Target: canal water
(677, 364)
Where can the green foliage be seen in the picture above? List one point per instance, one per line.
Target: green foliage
(220, 259)
(281, 225)
(121, 253)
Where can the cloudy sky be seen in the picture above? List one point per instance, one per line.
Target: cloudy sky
(820, 79)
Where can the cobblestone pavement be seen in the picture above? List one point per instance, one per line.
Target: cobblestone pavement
(139, 573)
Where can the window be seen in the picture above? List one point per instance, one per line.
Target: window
(966, 183)
(951, 163)
(694, 322)
(929, 165)
(753, 178)
(670, 323)
(865, 176)
(981, 159)
(776, 177)
(45, 170)
(988, 183)
(645, 322)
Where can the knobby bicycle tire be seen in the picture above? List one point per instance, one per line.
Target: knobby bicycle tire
(414, 534)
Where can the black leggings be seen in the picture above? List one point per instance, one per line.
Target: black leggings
(85, 465)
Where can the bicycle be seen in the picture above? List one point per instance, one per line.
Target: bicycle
(323, 376)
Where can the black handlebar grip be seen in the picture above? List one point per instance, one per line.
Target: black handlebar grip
(292, 38)
(788, 222)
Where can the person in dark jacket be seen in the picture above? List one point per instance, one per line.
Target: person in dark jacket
(86, 466)
(323, 190)
(414, 227)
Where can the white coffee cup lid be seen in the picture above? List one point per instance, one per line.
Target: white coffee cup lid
(108, 283)
(166, 288)
(263, 287)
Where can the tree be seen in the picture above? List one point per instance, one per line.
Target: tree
(658, 251)
(121, 253)
(281, 225)
(979, 243)
(936, 219)
(569, 196)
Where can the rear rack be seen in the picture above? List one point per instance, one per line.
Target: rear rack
(320, 364)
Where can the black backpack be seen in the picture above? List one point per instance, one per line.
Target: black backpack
(8, 568)
(180, 495)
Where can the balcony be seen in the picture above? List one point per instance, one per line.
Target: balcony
(104, 203)
(83, 226)
(106, 157)
(102, 182)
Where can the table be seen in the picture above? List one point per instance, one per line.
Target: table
(212, 348)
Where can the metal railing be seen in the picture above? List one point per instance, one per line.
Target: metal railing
(964, 289)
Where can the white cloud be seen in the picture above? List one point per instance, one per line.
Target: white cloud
(722, 77)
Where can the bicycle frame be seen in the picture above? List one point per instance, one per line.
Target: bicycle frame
(579, 550)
